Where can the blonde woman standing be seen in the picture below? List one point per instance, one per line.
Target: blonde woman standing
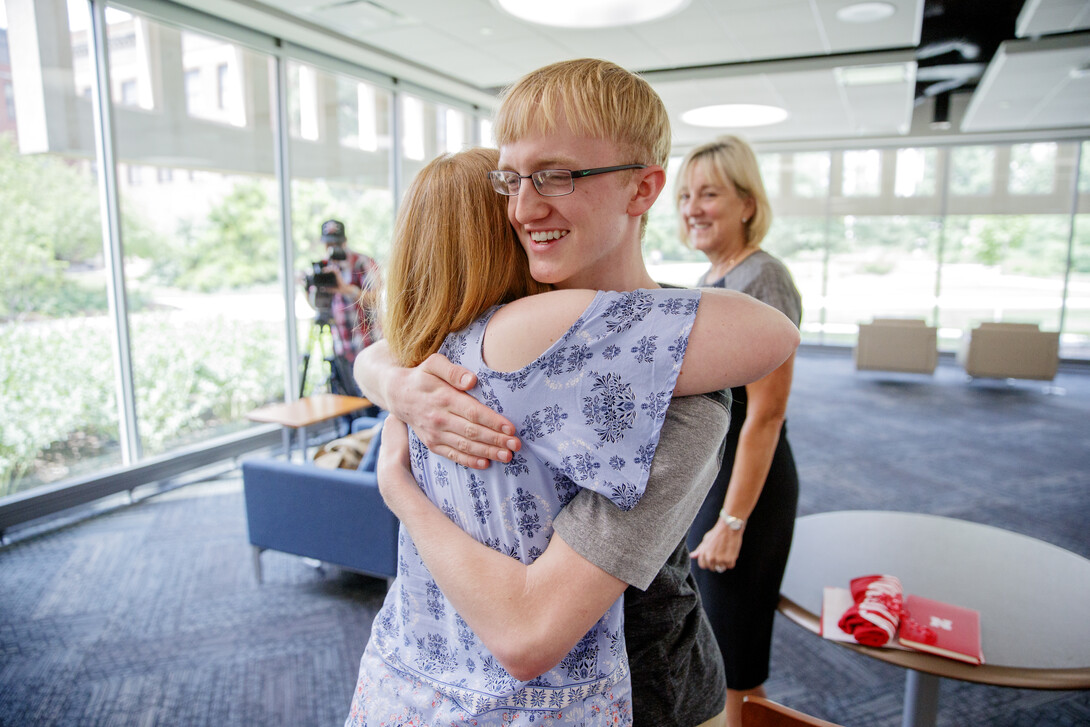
(741, 537)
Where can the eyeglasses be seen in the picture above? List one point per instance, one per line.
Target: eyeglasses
(549, 182)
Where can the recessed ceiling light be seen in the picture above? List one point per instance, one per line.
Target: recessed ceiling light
(590, 13)
(873, 75)
(734, 115)
(865, 12)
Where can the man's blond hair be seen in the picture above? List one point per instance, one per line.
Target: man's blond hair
(597, 99)
(454, 255)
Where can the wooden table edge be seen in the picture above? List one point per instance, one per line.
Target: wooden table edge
(323, 407)
(1001, 676)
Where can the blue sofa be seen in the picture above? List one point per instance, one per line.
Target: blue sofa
(334, 516)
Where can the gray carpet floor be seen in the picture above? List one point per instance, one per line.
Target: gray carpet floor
(150, 615)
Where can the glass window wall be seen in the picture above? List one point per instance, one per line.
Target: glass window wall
(972, 170)
(200, 231)
(916, 172)
(955, 236)
(57, 379)
(862, 173)
(810, 173)
(1032, 168)
(1077, 300)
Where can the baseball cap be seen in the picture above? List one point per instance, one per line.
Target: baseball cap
(333, 231)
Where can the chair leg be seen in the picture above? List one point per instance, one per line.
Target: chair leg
(257, 563)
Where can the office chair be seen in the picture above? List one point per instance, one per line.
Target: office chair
(761, 712)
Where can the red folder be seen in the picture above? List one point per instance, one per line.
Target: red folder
(941, 628)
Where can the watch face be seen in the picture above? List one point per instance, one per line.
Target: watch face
(734, 523)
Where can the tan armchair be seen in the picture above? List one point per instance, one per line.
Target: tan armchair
(1010, 351)
(897, 344)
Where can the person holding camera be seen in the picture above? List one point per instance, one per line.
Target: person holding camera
(353, 299)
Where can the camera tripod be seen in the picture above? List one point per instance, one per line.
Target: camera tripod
(336, 371)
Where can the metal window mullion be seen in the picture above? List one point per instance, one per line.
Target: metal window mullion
(110, 211)
(475, 136)
(395, 147)
(944, 210)
(282, 160)
(827, 256)
(1071, 234)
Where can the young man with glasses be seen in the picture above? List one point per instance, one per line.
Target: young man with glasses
(592, 139)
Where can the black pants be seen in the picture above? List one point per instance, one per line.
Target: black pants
(741, 602)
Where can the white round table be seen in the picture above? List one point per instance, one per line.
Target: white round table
(1033, 597)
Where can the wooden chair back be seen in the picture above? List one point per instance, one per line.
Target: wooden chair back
(761, 712)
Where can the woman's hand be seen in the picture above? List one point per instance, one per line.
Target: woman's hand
(395, 476)
(719, 548)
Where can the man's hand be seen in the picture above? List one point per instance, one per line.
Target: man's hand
(345, 286)
(431, 399)
(450, 422)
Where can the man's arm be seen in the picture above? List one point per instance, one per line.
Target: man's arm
(634, 545)
(529, 616)
(431, 397)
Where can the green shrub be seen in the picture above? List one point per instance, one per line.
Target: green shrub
(57, 382)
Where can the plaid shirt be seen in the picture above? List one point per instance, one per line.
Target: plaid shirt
(355, 326)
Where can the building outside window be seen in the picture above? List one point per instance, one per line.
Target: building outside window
(129, 95)
(193, 90)
(222, 85)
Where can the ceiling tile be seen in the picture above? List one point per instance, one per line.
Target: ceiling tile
(1028, 84)
(900, 30)
(818, 106)
(1044, 17)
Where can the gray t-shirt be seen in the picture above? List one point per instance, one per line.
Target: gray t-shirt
(766, 279)
(677, 670)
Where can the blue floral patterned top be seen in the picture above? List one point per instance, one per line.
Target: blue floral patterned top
(589, 411)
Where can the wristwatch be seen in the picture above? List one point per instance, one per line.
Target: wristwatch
(734, 523)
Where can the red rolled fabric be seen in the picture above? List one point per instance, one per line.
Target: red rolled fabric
(876, 614)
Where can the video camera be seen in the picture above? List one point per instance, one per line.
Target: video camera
(322, 285)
